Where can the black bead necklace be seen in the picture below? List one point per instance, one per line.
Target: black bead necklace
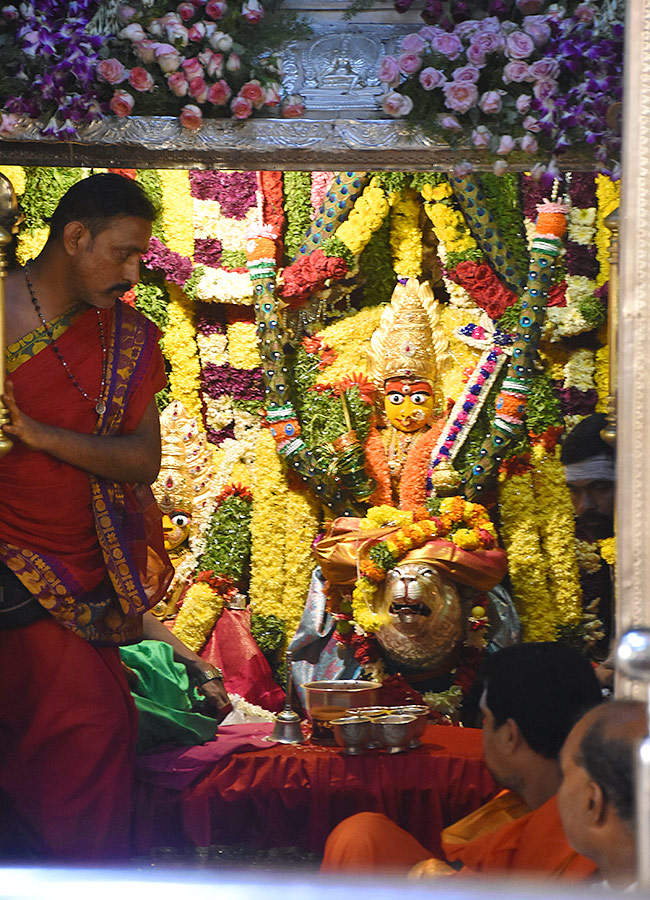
(100, 405)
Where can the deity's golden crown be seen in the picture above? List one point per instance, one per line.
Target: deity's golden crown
(186, 471)
(409, 342)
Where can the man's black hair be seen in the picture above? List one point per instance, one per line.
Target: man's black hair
(96, 200)
(544, 687)
(609, 759)
(584, 441)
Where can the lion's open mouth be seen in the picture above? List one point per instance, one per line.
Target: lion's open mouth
(409, 609)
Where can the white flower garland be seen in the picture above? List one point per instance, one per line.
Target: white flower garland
(220, 286)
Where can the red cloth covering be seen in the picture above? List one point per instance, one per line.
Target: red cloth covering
(67, 739)
(294, 795)
(231, 646)
(46, 504)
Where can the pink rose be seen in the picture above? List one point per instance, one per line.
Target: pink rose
(530, 123)
(523, 103)
(8, 122)
(528, 144)
(506, 145)
(254, 92)
(462, 169)
(490, 23)
(234, 63)
(241, 108)
(396, 105)
(293, 107)
(409, 63)
(429, 32)
(216, 9)
(121, 103)
(156, 28)
(197, 32)
(272, 94)
(466, 73)
(192, 68)
(490, 102)
(191, 117)
(177, 32)
(500, 167)
(168, 58)
(220, 41)
(447, 44)
(475, 56)
(431, 78)
(449, 123)
(413, 43)
(219, 93)
(538, 28)
(198, 89)
(140, 79)
(111, 70)
(516, 71)
(488, 41)
(584, 13)
(133, 33)
(519, 45)
(460, 96)
(545, 88)
(125, 14)
(146, 50)
(215, 66)
(544, 68)
(177, 83)
(185, 11)
(481, 137)
(388, 71)
(465, 30)
(252, 11)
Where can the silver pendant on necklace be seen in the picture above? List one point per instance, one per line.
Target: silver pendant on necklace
(100, 407)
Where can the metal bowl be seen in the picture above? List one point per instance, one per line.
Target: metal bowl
(421, 714)
(395, 732)
(352, 733)
(329, 700)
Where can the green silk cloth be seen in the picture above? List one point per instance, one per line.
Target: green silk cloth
(166, 713)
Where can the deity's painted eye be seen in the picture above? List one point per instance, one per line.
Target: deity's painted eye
(395, 397)
(180, 520)
(420, 397)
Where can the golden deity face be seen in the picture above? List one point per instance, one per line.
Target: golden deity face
(176, 528)
(408, 403)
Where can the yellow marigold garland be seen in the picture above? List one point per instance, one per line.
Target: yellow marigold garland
(601, 378)
(30, 244)
(526, 560)
(557, 532)
(405, 233)
(366, 217)
(16, 175)
(177, 212)
(197, 616)
(608, 193)
(349, 338)
(301, 513)
(464, 357)
(449, 225)
(243, 351)
(179, 345)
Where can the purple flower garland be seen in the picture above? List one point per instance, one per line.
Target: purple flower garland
(241, 384)
(235, 191)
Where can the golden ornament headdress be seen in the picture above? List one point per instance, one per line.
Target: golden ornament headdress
(410, 342)
(186, 477)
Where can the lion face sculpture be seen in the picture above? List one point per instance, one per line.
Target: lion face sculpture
(426, 619)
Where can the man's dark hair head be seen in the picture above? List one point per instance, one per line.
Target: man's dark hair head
(608, 753)
(96, 200)
(544, 687)
(584, 441)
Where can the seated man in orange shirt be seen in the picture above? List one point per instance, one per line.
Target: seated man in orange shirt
(533, 695)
